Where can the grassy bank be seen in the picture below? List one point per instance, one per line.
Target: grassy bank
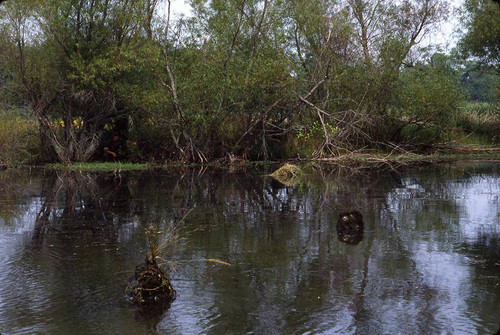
(19, 139)
(473, 126)
(442, 154)
(479, 122)
(100, 166)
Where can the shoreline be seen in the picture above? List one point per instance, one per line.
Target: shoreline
(356, 160)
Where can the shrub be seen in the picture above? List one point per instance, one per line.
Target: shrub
(427, 96)
(19, 140)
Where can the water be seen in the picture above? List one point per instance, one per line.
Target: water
(428, 261)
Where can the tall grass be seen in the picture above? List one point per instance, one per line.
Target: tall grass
(481, 119)
(19, 140)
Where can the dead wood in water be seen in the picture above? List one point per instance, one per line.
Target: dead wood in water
(150, 288)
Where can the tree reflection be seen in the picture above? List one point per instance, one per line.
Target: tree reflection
(17, 188)
(420, 267)
(84, 208)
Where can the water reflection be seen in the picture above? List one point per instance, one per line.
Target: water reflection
(82, 208)
(350, 227)
(426, 261)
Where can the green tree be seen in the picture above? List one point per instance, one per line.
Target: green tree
(427, 96)
(230, 82)
(481, 20)
(66, 59)
(240, 78)
(368, 44)
(480, 83)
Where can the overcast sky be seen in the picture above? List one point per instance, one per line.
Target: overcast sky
(180, 7)
(444, 36)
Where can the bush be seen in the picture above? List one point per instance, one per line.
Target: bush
(427, 97)
(19, 140)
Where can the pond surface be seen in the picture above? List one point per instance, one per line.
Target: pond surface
(428, 261)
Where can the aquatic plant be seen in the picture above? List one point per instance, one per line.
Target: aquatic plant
(287, 174)
(150, 286)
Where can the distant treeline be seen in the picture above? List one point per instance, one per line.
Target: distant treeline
(251, 79)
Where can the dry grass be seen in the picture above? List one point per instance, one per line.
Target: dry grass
(287, 174)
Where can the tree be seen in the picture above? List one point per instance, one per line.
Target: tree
(480, 83)
(241, 78)
(229, 81)
(68, 69)
(427, 96)
(481, 20)
(360, 81)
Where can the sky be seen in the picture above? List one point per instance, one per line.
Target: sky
(445, 35)
(179, 7)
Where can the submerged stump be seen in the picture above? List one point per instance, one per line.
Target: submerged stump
(150, 287)
(350, 227)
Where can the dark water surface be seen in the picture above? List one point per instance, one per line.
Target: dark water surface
(428, 261)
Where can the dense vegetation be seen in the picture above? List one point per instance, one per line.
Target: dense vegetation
(262, 79)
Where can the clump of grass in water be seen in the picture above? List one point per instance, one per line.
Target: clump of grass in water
(287, 174)
(151, 287)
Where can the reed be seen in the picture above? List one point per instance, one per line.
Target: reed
(481, 119)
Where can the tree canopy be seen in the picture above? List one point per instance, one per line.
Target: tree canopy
(252, 79)
(481, 19)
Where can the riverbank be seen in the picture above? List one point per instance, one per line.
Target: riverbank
(438, 154)
(361, 159)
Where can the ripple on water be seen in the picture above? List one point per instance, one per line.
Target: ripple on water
(194, 312)
(412, 273)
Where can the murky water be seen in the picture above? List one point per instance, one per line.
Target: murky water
(428, 261)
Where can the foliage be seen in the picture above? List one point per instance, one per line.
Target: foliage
(481, 84)
(19, 140)
(481, 19)
(482, 119)
(240, 79)
(427, 96)
(65, 60)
